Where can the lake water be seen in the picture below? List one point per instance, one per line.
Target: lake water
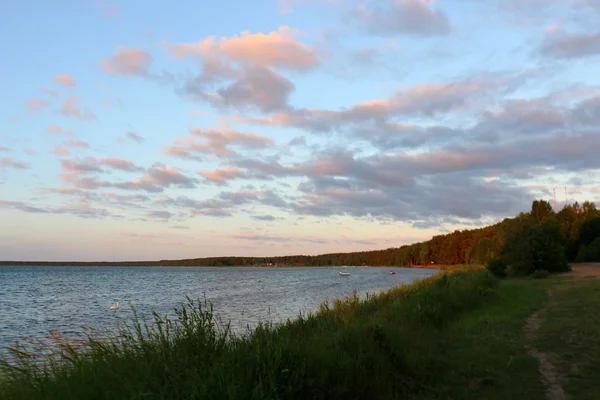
(34, 300)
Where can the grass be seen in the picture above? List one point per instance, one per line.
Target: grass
(457, 335)
(570, 334)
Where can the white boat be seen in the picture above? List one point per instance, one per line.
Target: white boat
(344, 273)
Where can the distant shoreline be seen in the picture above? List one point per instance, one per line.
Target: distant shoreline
(175, 265)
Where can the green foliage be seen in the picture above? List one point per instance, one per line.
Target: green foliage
(590, 252)
(535, 245)
(541, 210)
(590, 231)
(497, 267)
(394, 339)
(540, 274)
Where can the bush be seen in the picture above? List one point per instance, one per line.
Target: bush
(589, 253)
(497, 267)
(540, 274)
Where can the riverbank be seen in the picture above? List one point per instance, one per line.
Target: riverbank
(455, 335)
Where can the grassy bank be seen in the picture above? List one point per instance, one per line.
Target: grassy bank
(456, 335)
(569, 334)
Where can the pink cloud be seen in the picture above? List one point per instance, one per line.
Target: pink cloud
(127, 61)
(274, 49)
(120, 164)
(54, 129)
(217, 142)
(72, 107)
(222, 175)
(109, 10)
(158, 178)
(36, 104)
(65, 79)
(7, 162)
(60, 151)
(2, 148)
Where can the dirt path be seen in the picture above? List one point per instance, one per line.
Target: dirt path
(584, 270)
(551, 378)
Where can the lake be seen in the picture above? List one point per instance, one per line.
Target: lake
(34, 300)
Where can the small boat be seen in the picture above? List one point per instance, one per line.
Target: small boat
(344, 273)
(392, 272)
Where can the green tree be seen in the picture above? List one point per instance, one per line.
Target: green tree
(530, 246)
(541, 210)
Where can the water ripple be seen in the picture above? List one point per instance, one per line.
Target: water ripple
(35, 300)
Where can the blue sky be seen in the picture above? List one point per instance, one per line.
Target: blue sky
(137, 132)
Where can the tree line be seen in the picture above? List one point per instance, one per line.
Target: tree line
(541, 238)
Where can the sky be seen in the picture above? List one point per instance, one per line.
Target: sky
(135, 130)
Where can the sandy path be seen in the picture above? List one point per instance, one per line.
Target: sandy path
(550, 376)
(584, 269)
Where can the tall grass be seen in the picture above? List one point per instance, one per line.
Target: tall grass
(382, 347)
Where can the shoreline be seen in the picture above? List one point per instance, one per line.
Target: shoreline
(154, 264)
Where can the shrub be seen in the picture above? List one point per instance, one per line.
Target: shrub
(540, 274)
(497, 267)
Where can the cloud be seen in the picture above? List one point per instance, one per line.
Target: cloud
(120, 164)
(65, 79)
(257, 87)
(128, 61)
(561, 45)
(157, 178)
(220, 176)
(81, 210)
(2, 148)
(135, 137)
(595, 4)
(71, 107)
(60, 151)
(226, 203)
(54, 129)
(77, 143)
(264, 218)
(182, 227)
(108, 10)
(36, 104)
(242, 71)
(8, 162)
(263, 237)
(164, 215)
(216, 142)
(22, 206)
(409, 17)
(427, 100)
(89, 164)
(278, 49)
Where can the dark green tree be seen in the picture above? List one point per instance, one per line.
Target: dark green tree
(541, 210)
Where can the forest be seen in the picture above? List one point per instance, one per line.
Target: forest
(519, 245)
